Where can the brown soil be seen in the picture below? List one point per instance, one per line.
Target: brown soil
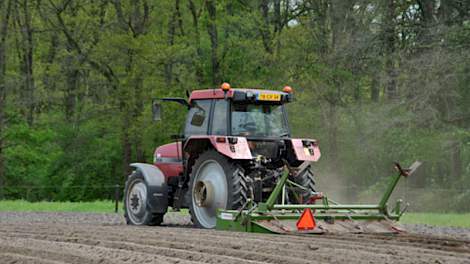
(103, 238)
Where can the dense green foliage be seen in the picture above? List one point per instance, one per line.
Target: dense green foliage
(375, 82)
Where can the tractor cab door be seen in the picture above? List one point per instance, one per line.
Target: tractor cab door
(197, 120)
(207, 117)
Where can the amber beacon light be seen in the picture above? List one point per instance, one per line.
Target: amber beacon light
(287, 89)
(225, 86)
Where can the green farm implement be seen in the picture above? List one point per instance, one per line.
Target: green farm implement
(327, 217)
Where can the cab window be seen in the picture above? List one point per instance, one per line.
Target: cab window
(198, 118)
(258, 120)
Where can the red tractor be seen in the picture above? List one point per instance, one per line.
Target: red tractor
(235, 146)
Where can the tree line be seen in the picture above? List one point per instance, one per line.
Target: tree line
(375, 81)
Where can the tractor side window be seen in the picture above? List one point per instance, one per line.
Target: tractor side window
(219, 122)
(198, 118)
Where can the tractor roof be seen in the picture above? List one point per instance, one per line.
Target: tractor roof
(242, 94)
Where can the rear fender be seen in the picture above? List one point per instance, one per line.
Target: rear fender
(238, 151)
(306, 149)
(157, 188)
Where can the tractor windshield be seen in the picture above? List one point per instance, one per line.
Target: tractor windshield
(258, 120)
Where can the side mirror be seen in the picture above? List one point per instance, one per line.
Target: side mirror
(156, 111)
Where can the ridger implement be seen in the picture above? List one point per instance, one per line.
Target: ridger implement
(329, 217)
(236, 167)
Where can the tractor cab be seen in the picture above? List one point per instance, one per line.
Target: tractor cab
(227, 115)
(234, 112)
(238, 112)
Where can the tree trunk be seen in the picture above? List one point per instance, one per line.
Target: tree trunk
(264, 28)
(137, 137)
(455, 162)
(23, 18)
(126, 115)
(138, 110)
(427, 8)
(228, 30)
(5, 8)
(444, 13)
(70, 96)
(277, 16)
(390, 42)
(212, 31)
(334, 97)
(126, 147)
(374, 88)
(277, 24)
(197, 38)
(442, 178)
(48, 82)
(171, 41)
(131, 111)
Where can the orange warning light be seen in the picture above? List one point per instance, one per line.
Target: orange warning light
(306, 220)
(287, 89)
(225, 86)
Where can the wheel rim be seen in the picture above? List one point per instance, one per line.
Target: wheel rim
(203, 193)
(210, 176)
(137, 202)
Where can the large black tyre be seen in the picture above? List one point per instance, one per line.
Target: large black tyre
(223, 180)
(307, 181)
(136, 210)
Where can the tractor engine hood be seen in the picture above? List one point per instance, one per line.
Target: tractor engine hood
(168, 153)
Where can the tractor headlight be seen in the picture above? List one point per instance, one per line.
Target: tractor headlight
(156, 157)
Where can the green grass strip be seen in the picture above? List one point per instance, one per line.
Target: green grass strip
(437, 219)
(25, 206)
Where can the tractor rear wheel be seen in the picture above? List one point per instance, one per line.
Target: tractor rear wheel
(306, 180)
(136, 209)
(216, 183)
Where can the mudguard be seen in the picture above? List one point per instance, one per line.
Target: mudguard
(306, 149)
(157, 189)
(238, 150)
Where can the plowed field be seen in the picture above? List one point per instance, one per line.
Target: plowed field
(104, 238)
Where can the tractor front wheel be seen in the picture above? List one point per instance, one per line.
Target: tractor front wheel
(216, 183)
(136, 210)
